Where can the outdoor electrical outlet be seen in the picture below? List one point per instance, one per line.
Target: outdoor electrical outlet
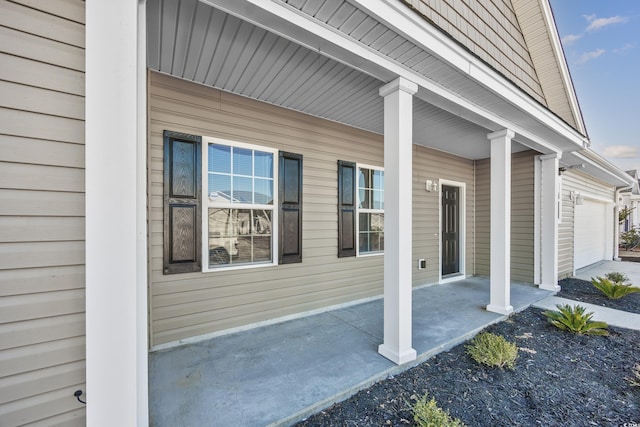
(422, 264)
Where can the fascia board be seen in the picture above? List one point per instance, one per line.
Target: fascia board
(562, 62)
(602, 161)
(286, 22)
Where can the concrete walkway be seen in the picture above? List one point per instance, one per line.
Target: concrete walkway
(280, 374)
(613, 317)
(631, 269)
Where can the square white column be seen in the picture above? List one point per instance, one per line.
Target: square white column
(549, 214)
(500, 268)
(398, 179)
(116, 199)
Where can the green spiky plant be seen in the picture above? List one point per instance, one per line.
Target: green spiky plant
(493, 350)
(613, 289)
(574, 319)
(427, 413)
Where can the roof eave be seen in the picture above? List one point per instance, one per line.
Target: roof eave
(558, 50)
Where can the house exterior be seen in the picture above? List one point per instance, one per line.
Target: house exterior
(589, 229)
(171, 171)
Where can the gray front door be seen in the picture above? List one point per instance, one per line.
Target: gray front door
(450, 230)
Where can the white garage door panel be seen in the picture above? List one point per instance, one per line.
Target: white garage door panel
(593, 233)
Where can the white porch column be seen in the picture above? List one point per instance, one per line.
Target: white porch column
(549, 214)
(500, 260)
(398, 146)
(116, 261)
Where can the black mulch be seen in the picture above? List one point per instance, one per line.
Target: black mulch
(581, 290)
(561, 379)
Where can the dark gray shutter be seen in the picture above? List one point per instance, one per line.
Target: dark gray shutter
(290, 199)
(182, 197)
(346, 209)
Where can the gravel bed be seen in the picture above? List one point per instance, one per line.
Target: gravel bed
(561, 379)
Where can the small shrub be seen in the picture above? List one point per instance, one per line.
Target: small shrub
(634, 379)
(493, 350)
(629, 239)
(617, 277)
(427, 413)
(575, 320)
(613, 290)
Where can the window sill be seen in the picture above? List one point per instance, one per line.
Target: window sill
(238, 267)
(369, 254)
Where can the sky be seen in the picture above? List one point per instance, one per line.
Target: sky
(601, 41)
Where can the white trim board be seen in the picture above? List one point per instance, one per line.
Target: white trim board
(462, 218)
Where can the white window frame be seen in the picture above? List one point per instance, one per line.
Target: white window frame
(207, 203)
(359, 210)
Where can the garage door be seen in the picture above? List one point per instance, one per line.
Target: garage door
(593, 233)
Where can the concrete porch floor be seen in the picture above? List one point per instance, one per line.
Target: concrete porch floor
(280, 374)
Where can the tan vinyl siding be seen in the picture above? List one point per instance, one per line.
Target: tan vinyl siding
(41, 212)
(185, 305)
(522, 216)
(435, 165)
(192, 304)
(489, 29)
(483, 207)
(589, 187)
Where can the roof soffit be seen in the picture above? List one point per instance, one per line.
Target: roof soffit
(244, 30)
(589, 162)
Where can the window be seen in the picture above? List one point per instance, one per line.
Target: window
(240, 199)
(360, 209)
(370, 210)
(228, 204)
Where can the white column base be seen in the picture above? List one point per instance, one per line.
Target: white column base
(500, 309)
(395, 357)
(552, 288)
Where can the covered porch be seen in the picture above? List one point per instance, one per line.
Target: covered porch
(382, 70)
(281, 373)
(403, 81)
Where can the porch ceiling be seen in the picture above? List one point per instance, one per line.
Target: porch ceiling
(197, 42)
